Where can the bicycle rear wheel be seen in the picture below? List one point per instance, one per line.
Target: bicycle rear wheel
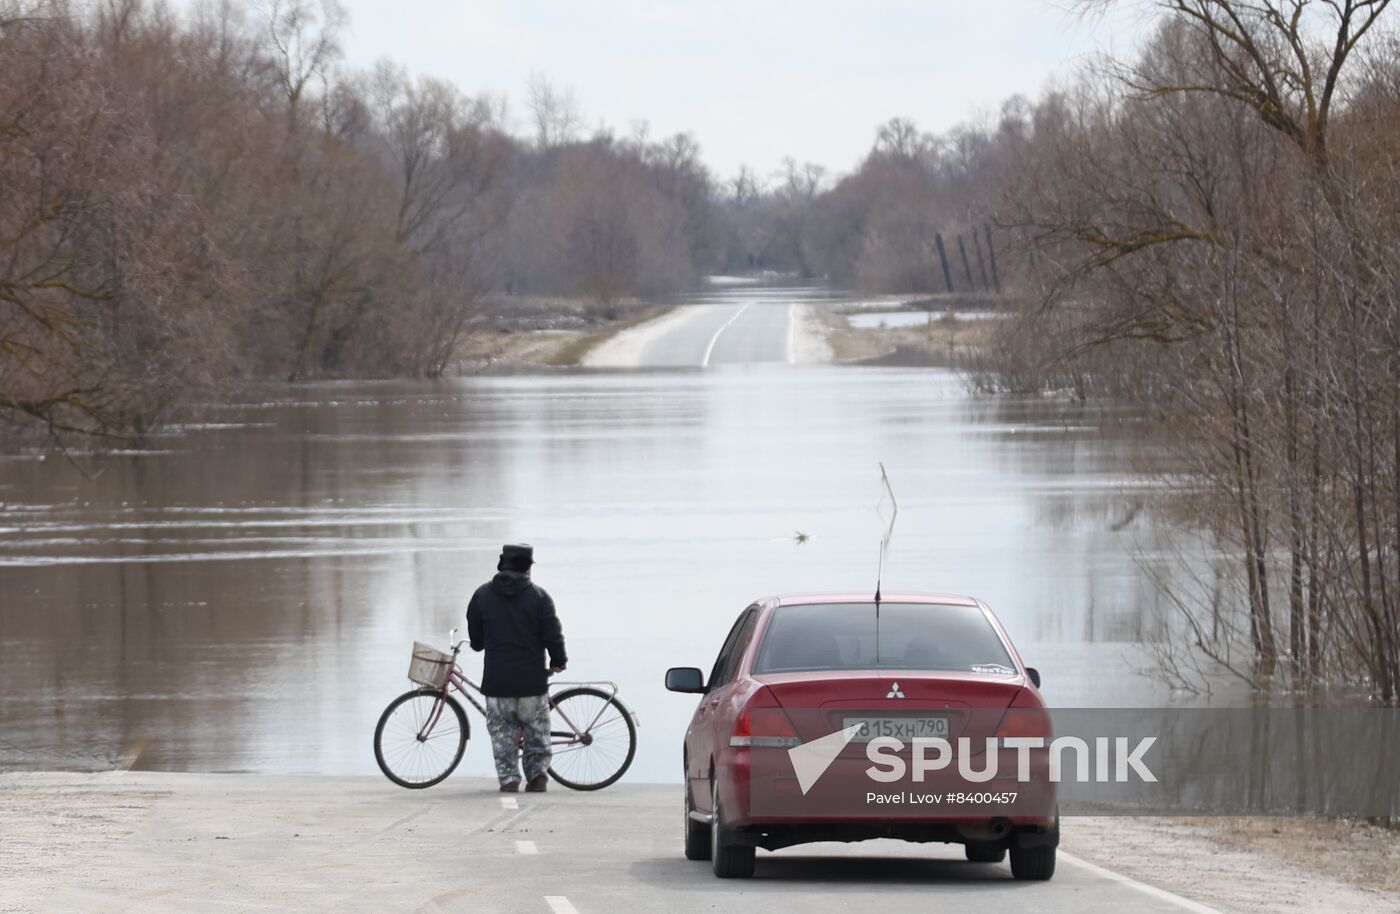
(592, 737)
(410, 752)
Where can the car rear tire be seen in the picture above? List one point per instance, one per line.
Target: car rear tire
(697, 834)
(1033, 863)
(982, 852)
(730, 860)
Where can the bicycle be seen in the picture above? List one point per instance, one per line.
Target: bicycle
(418, 743)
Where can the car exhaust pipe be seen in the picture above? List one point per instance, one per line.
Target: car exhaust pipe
(994, 830)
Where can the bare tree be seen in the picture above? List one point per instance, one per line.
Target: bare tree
(1284, 59)
(1205, 226)
(554, 112)
(302, 40)
(901, 138)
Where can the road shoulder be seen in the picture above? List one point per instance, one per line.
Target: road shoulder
(1249, 866)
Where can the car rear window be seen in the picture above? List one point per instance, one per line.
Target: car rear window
(906, 636)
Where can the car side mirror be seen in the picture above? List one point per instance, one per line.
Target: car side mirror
(1034, 675)
(685, 679)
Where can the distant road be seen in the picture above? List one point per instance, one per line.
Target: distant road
(748, 324)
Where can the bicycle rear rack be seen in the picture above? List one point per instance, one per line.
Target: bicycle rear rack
(606, 685)
(611, 686)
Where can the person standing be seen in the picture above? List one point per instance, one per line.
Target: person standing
(513, 620)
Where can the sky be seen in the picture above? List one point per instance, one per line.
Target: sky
(753, 81)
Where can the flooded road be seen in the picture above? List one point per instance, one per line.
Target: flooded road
(243, 594)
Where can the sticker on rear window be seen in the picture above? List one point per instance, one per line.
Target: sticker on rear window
(992, 669)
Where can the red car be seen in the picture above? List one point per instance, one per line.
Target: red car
(819, 716)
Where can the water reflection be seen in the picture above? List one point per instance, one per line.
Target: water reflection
(243, 596)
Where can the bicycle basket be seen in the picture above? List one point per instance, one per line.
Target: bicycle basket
(429, 666)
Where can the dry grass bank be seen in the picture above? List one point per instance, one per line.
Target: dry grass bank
(943, 340)
(544, 332)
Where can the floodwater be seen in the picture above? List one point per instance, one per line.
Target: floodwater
(874, 319)
(242, 595)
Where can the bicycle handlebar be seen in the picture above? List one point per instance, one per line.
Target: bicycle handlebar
(457, 648)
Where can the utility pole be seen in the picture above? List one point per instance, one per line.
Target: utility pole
(967, 267)
(943, 258)
(981, 262)
(992, 254)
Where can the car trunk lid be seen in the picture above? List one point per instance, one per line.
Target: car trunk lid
(823, 702)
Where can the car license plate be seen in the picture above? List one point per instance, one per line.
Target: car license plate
(902, 728)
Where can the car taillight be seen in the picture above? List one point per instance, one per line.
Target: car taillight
(764, 728)
(1024, 722)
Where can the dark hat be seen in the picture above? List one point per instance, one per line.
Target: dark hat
(516, 557)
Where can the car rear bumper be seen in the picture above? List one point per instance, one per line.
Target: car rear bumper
(764, 801)
(775, 836)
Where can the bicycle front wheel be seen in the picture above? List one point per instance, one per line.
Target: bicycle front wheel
(592, 737)
(420, 738)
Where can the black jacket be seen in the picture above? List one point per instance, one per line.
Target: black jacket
(514, 622)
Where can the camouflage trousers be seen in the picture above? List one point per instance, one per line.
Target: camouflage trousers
(507, 719)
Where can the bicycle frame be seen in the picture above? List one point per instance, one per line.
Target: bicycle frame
(468, 689)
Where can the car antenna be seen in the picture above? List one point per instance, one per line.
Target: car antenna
(884, 544)
(889, 531)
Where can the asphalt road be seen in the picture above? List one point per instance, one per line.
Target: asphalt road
(157, 843)
(740, 326)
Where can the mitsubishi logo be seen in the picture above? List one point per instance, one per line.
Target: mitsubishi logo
(894, 691)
